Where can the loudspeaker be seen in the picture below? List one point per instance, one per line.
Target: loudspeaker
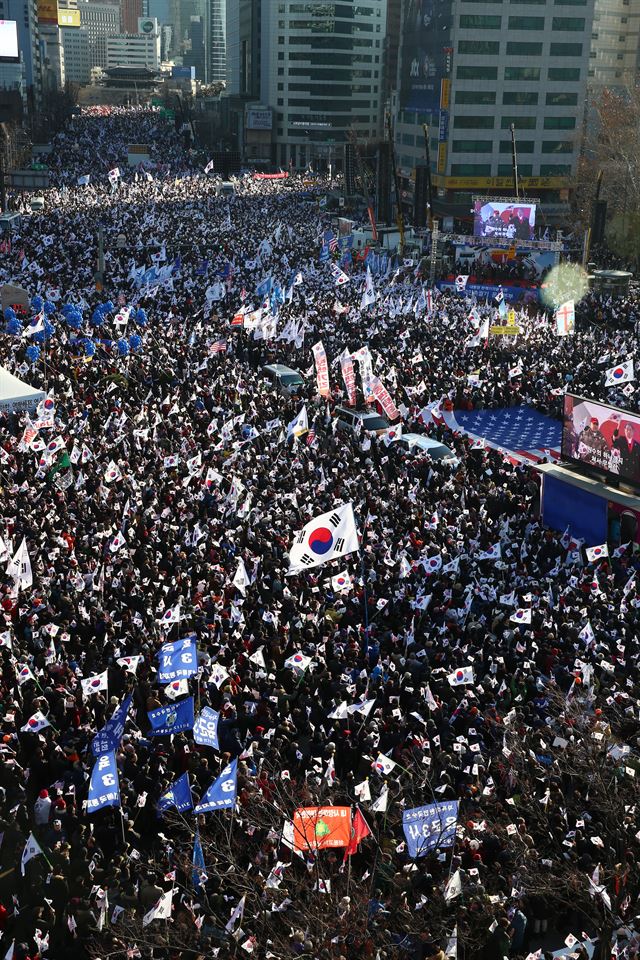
(383, 183)
(349, 169)
(599, 221)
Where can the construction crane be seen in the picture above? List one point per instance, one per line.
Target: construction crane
(399, 214)
(427, 154)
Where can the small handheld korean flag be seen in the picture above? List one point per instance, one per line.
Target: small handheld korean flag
(32, 849)
(341, 582)
(94, 684)
(461, 282)
(324, 538)
(241, 580)
(521, 616)
(383, 765)
(112, 473)
(622, 373)
(35, 723)
(461, 676)
(170, 616)
(597, 553)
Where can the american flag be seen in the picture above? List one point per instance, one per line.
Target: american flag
(524, 435)
(311, 437)
(333, 243)
(220, 346)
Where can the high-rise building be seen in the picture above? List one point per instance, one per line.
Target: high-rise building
(194, 56)
(243, 49)
(615, 44)
(216, 40)
(134, 50)
(77, 64)
(101, 20)
(130, 11)
(322, 73)
(470, 71)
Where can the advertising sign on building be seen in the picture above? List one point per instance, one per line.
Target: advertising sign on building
(426, 52)
(258, 118)
(48, 11)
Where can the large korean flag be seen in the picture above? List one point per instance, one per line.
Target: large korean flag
(324, 538)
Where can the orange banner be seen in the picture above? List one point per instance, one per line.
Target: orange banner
(318, 828)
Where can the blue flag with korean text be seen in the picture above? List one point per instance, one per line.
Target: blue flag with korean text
(199, 874)
(205, 729)
(178, 796)
(431, 827)
(177, 660)
(172, 719)
(104, 789)
(111, 734)
(221, 795)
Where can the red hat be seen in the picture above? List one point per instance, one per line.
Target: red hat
(594, 420)
(43, 794)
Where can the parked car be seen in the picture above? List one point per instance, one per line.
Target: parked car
(416, 443)
(370, 422)
(285, 378)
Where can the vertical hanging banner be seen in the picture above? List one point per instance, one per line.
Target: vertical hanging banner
(384, 398)
(322, 369)
(348, 375)
(366, 372)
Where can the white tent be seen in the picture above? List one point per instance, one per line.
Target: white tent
(16, 395)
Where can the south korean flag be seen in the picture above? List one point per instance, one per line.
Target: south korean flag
(324, 538)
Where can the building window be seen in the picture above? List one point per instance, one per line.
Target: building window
(519, 98)
(479, 21)
(476, 96)
(470, 169)
(568, 23)
(524, 146)
(520, 123)
(506, 170)
(484, 48)
(476, 73)
(474, 123)
(526, 23)
(562, 99)
(566, 50)
(523, 48)
(559, 123)
(564, 73)
(522, 73)
(571, 3)
(557, 146)
(555, 169)
(472, 146)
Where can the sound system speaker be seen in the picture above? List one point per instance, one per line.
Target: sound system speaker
(599, 220)
(383, 183)
(349, 169)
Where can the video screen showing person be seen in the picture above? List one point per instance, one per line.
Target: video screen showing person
(504, 221)
(602, 436)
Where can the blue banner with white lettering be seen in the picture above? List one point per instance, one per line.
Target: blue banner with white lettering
(205, 729)
(264, 287)
(111, 734)
(221, 795)
(178, 795)
(172, 719)
(177, 660)
(427, 828)
(104, 789)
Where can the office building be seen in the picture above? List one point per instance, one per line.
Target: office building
(100, 20)
(243, 49)
(77, 62)
(52, 54)
(194, 55)
(216, 40)
(470, 71)
(322, 73)
(130, 12)
(615, 44)
(134, 50)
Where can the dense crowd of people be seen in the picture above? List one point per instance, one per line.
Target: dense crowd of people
(165, 463)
